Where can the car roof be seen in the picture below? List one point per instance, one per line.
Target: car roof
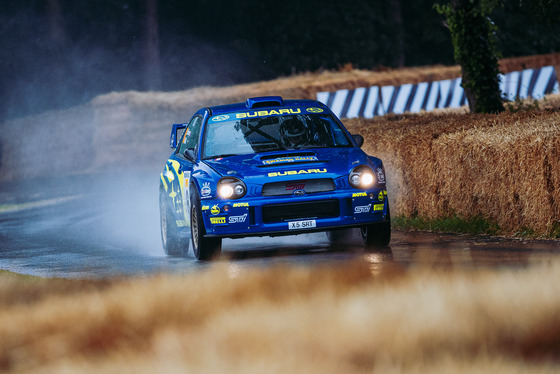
(263, 102)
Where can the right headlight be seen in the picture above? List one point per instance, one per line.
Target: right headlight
(362, 177)
(231, 188)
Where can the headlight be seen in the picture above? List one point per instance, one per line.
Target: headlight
(231, 188)
(361, 177)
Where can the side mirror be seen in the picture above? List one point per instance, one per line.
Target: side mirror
(189, 154)
(358, 139)
(175, 133)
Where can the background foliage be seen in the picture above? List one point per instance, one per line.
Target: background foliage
(60, 53)
(473, 37)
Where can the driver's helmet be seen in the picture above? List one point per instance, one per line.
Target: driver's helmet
(294, 132)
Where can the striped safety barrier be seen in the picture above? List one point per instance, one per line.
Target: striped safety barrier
(378, 101)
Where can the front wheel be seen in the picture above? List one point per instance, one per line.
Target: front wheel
(376, 235)
(203, 248)
(173, 244)
(340, 236)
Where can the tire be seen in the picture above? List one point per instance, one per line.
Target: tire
(173, 244)
(377, 235)
(338, 236)
(203, 248)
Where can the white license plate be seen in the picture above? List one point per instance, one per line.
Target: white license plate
(298, 225)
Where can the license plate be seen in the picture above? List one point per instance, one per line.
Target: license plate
(298, 225)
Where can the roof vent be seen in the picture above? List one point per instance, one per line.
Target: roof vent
(264, 101)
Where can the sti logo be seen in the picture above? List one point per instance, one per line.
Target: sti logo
(362, 208)
(237, 219)
(294, 186)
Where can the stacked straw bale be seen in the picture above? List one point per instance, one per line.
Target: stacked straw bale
(505, 168)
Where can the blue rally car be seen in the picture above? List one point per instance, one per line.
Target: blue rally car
(268, 167)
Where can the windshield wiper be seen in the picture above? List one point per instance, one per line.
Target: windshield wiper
(307, 146)
(221, 156)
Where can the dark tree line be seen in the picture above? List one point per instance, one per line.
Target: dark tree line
(59, 53)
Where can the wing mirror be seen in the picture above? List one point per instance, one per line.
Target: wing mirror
(189, 154)
(358, 139)
(173, 140)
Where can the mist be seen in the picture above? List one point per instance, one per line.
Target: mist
(57, 61)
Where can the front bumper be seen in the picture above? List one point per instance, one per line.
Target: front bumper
(271, 216)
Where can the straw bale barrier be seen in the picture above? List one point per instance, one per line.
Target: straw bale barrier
(504, 168)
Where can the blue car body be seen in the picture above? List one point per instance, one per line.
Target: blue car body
(232, 175)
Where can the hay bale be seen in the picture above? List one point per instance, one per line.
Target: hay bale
(504, 167)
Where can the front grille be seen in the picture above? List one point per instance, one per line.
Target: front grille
(307, 185)
(304, 210)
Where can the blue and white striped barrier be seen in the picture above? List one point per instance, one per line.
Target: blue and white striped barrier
(378, 101)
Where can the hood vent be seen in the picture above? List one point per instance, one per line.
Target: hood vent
(264, 101)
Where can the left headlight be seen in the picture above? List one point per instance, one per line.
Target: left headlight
(362, 176)
(231, 188)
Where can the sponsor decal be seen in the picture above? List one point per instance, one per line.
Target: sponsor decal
(205, 207)
(381, 195)
(215, 210)
(294, 186)
(219, 118)
(362, 209)
(217, 220)
(378, 207)
(294, 172)
(237, 219)
(187, 134)
(359, 194)
(237, 205)
(380, 175)
(314, 110)
(266, 113)
(290, 159)
(205, 191)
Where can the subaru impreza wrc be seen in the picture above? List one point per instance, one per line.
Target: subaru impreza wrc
(268, 167)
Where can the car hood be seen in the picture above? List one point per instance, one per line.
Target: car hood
(290, 165)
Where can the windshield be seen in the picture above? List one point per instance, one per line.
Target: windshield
(272, 133)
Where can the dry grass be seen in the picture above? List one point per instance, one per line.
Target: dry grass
(501, 167)
(323, 320)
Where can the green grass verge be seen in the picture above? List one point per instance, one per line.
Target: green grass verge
(5, 274)
(454, 223)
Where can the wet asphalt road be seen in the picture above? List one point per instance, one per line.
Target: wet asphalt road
(94, 226)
